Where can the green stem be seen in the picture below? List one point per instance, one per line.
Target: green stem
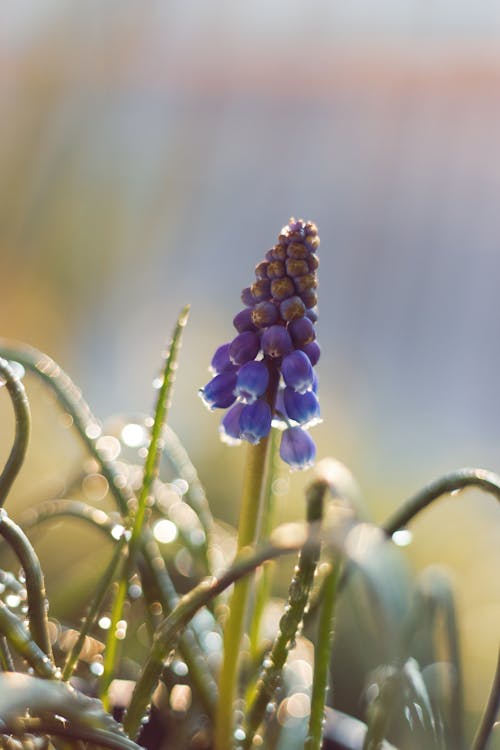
(23, 427)
(264, 575)
(322, 660)
(253, 482)
(491, 711)
(151, 469)
(35, 585)
(283, 541)
(94, 609)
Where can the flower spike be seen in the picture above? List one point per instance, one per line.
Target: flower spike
(275, 342)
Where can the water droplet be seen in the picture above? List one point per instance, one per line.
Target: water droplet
(134, 435)
(117, 531)
(109, 447)
(180, 668)
(239, 734)
(105, 622)
(17, 370)
(92, 430)
(402, 537)
(165, 531)
(96, 668)
(12, 600)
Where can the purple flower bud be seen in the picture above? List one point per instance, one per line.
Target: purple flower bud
(301, 331)
(247, 297)
(230, 426)
(221, 361)
(292, 308)
(297, 371)
(253, 379)
(312, 314)
(244, 347)
(219, 392)
(297, 448)
(255, 421)
(264, 314)
(313, 351)
(301, 407)
(242, 321)
(276, 341)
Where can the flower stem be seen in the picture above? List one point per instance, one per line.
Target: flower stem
(253, 483)
(267, 521)
(283, 541)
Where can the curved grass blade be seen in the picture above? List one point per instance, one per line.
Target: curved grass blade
(20, 640)
(68, 508)
(82, 717)
(491, 711)
(35, 584)
(485, 480)
(21, 407)
(284, 540)
(195, 495)
(435, 604)
(71, 400)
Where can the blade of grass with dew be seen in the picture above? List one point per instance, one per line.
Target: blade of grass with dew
(20, 640)
(94, 609)
(300, 588)
(22, 415)
(322, 654)
(65, 508)
(35, 584)
(485, 480)
(6, 661)
(71, 400)
(285, 540)
(82, 715)
(195, 495)
(151, 468)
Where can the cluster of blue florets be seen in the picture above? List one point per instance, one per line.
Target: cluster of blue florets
(266, 373)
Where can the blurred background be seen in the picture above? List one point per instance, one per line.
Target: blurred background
(151, 152)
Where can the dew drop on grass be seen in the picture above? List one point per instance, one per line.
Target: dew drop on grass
(97, 668)
(402, 537)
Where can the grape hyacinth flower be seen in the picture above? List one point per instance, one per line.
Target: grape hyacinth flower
(266, 373)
